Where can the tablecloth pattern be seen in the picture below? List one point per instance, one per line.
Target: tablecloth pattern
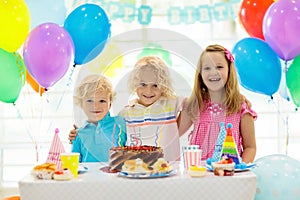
(96, 184)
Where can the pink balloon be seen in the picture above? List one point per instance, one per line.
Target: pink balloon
(281, 28)
(48, 53)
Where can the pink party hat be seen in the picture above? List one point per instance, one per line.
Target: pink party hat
(55, 150)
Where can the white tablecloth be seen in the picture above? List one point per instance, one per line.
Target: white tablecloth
(95, 184)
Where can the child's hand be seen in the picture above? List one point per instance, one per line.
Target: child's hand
(72, 134)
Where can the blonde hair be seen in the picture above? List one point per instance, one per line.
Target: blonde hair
(200, 91)
(89, 86)
(160, 70)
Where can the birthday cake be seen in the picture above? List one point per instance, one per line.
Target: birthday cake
(44, 171)
(138, 166)
(225, 167)
(118, 155)
(197, 171)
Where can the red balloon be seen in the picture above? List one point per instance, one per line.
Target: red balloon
(251, 15)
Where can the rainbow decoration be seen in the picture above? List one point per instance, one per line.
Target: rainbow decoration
(229, 149)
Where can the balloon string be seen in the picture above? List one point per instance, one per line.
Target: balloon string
(287, 134)
(63, 94)
(286, 123)
(19, 116)
(68, 86)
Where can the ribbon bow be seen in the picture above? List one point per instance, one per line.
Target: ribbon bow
(229, 55)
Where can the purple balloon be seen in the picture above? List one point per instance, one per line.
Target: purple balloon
(281, 28)
(48, 53)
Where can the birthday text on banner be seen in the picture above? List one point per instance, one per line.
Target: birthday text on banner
(204, 13)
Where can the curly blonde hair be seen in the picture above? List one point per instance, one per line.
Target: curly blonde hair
(160, 70)
(200, 91)
(89, 86)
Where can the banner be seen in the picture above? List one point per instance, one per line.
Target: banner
(202, 13)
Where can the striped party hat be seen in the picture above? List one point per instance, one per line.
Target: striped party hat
(55, 150)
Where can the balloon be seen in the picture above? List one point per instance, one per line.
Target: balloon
(281, 28)
(89, 28)
(292, 80)
(14, 24)
(109, 62)
(48, 53)
(12, 76)
(45, 11)
(35, 86)
(278, 177)
(251, 14)
(152, 49)
(258, 66)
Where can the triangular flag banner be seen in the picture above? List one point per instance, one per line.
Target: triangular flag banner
(55, 150)
(219, 144)
(229, 149)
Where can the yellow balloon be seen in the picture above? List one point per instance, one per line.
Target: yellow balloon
(14, 24)
(109, 62)
(115, 67)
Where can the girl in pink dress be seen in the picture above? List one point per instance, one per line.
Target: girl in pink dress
(216, 98)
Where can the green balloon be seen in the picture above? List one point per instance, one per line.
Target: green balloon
(293, 80)
(12, 76)
(156, 50)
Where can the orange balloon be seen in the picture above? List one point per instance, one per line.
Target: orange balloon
(35, 86)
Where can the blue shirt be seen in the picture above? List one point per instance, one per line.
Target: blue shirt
(93, 142)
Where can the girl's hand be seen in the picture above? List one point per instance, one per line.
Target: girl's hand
(73, 134)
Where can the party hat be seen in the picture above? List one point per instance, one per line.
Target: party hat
(229, 149)
(55, 150)
(219, 144)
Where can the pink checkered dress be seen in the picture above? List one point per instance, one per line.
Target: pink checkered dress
(206, 127)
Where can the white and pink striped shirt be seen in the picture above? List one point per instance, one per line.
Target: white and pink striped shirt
(154, 125)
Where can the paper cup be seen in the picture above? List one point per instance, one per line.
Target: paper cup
(191, 156)
(190, 147)
(70, 161)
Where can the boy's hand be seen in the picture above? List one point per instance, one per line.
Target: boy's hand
(73, 134)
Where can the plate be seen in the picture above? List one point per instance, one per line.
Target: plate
(249, 166)
(82, 169)
(146, 175)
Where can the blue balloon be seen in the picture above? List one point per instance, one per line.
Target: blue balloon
(89, 27)
(258, 66)
(278, 178)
